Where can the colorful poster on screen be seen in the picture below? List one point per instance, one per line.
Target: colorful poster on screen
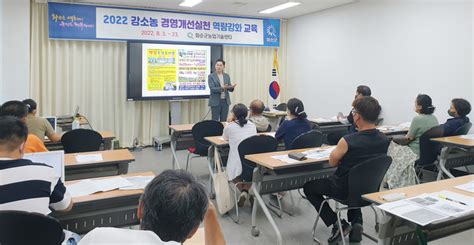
(76, 21)
(178, 69)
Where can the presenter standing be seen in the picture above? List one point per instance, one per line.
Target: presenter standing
(220, 85)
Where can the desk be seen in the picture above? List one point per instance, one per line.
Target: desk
(395, 230)
(116, 208)
(115, 162)
(177, 131)
(282, 177)
(329, 126)
(393, 130)
(275, 117)
(107, 137)
(457, 151)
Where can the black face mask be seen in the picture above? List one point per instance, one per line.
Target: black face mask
(451, 113)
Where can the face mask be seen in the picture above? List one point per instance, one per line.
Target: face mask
(451, 113)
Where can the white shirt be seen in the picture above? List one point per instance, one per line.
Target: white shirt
(234, 134)
(109, 235)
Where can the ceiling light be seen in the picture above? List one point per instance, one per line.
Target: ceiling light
(190, 3)
(279, 7)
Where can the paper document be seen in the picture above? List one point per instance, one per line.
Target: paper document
(138, 182)
(468, 136)
(469, 187)
(88, 186)
(429, 208)
(324, 120)
(319, 153)
(391, 128)
(405, 124)
(285, 158)
(84, 158)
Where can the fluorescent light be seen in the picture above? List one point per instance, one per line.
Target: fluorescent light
(190, 3)
(279, 7)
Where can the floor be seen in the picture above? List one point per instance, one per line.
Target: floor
(295, 229)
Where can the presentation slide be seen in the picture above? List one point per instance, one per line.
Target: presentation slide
(171, 70)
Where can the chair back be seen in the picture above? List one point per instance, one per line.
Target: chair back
(281, 107)
(81, 140)
(20, 227)
(313, 138)
(204, 129)
(429, 150)
(254, 145)
(366, 178)
(464, 129)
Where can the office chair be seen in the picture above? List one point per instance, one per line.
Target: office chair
(252, 145)
(21, 228)
(363, 179)
(201, 130)
(269, 129)
(429, 151)
(463, 130)
(309, 139)
(281, 107)
(81, 140)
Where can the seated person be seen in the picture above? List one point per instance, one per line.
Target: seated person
(170, 211)
(37, 125)
(20, 110)
(239, 128)
(458, 110)
(296, 124)
(351, 150)
(256, 110)
(333, 138)
(24, 185)
(401, 172)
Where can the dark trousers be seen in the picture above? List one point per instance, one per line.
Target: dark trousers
(316, 190)
(220, 112)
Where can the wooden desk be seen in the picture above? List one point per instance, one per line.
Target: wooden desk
(115, 162)
(273, 176)
(107, 137)
(458, 151)
(393, 130)
(116, 208)
(178, 131)
(275, 118)
(324, 122)
(394, 229)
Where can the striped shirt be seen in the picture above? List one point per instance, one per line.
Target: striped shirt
(32, 187)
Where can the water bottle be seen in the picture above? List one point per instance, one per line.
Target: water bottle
(76, 124)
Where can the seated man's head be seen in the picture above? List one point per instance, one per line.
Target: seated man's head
(14, 108)
(362, 90)
(173, 205)
(256, 107)
(366, 110)
(13, 134)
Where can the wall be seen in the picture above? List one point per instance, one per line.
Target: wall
(398, 48)
(14, 49)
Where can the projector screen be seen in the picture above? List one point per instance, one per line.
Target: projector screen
(169, 71)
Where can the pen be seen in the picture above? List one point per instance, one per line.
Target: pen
(449, 199)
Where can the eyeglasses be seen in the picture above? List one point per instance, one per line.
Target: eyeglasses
(354, 111)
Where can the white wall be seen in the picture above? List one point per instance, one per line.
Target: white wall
(14, 49)
(399, 48)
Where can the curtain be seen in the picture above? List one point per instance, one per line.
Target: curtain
(92, 75)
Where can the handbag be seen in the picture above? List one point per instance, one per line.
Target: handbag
(224, 198)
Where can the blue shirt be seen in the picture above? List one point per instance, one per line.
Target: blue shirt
(291, 129)
(454, 124)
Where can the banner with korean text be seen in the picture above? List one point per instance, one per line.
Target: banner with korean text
(75, 21)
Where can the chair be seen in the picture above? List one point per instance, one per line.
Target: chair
(281, 107)
(463, 130)
(20, 227)
(252, 145)
(309, 139)
(363, 178)
(429, 151)
(81, 140)
(201, 130)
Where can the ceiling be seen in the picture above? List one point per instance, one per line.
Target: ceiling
(227, 7)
